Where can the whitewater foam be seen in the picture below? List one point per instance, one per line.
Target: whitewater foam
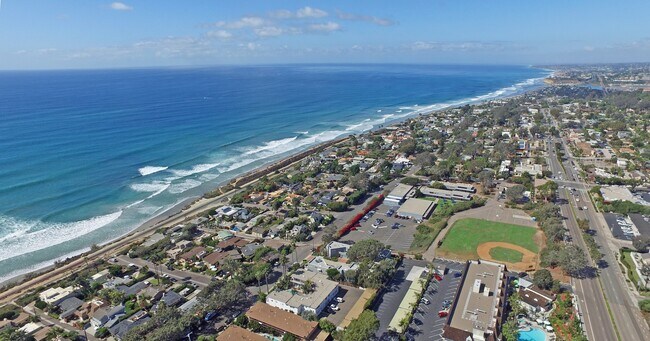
(147, 170)
(200, 168)
(184, 186)
(29, 236)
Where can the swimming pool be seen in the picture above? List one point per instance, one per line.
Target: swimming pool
(533, 334)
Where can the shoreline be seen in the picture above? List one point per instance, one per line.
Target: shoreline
(189, 207)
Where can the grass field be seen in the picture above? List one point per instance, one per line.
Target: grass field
(506, 255)
(467, 234)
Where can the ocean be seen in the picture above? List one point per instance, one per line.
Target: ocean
(87, 156)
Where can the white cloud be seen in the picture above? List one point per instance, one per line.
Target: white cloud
(461, 46)
(220, 34)
(329, 26)
(250, 46)
(281, 14)
(242, 23)
(366, 18)
(310, 12)
(269, 31)
(120, 6)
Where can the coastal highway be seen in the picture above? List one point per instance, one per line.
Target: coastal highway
(597, 322)
(628, 320)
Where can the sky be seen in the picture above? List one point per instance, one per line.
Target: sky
(62, 34)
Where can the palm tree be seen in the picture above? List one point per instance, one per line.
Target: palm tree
(284, 260)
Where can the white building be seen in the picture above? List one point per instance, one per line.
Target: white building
(398, 194)
(56, 295)
(296, 301)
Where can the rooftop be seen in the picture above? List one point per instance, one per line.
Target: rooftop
(400, 191)
(322, 288)
(282, 320)
(416, 206)
(238, 333)
(477, 303)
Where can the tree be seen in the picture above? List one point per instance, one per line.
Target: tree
(354, 170)
(260, 270)
(583, 224)
(308, 287)
(363, 328)
(408, 147)
(573, 260)
(543, 279)
(509, 330)
(365, 250)
(14, 334)
(641, 243)
(644, 305)
(333, 274)
(337, 206)
(284, 260)
(515, 193)
(326, 325)
(425, 159)
(547, 191)
(359, 181)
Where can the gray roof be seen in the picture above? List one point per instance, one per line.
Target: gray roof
(69, 306)
(249, 250)
(121, 329)
(132, 290)
(171, 298)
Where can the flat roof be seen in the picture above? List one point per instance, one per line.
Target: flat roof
(642, 223)
(400, 191)
(282, 320)
(416, 206)
(322, 288)
(473, 309)
(238, 333)
(445, 193)
(614, 193)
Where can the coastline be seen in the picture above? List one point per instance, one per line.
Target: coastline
(189, 207)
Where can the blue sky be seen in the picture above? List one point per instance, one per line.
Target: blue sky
(42, 34)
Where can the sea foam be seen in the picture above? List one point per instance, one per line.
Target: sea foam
(147, 170)
(27, 236)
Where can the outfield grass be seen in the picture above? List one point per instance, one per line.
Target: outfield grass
(467, 234)
(506, 255)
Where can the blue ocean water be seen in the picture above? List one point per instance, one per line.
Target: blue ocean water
(87, 156)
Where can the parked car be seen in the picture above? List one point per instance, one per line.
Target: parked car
(437, 277)
(424, 300)
(339, 299)
(458, 274)
(443, 313)
(396, 225)
(334, 307)
(209, 316)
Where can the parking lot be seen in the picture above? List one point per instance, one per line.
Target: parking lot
(426, 324)
(620, 226)
(350, 296)
(387, 303)
(398, 237)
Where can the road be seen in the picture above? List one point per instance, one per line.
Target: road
(627, 317)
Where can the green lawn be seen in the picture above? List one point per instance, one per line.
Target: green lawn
(467, 234)
(506, 255)
(632, 275)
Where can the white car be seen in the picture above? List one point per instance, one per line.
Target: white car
(339, 299)
(335, 307)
